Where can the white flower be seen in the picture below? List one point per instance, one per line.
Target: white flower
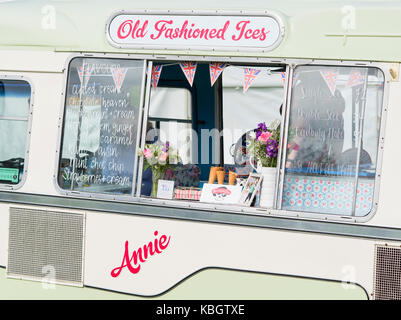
(275, 124)
(252, 135)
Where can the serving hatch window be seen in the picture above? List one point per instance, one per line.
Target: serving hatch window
(15, 97)
(101, 123)
(329, 145)
(224, 139)
(227, 108)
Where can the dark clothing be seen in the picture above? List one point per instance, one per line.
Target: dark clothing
(147, 182)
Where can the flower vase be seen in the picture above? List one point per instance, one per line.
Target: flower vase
(268, 186)
(156, 176)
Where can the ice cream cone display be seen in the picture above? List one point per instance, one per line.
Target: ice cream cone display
(219, 169)
(220, 176)
(212, 175)
(232, 176)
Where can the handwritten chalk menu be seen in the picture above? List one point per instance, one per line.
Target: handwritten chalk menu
(317, 128)
(101, 125)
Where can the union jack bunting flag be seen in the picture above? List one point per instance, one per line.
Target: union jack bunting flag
(330, 77)
(189, 69)
(156, 71)
(283, 77)
(215, 71)
(355, 79)
(84, 73)
(118, 77)
(250, 75)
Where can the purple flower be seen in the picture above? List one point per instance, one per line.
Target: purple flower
(166, 147)
(261, 128)
(271, 148)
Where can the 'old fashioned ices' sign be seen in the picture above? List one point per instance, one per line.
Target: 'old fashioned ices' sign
(238, 32)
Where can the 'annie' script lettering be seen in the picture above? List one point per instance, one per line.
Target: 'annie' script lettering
(133, 261)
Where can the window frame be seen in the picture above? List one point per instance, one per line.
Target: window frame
(326, 216)
(22, 78)
(91, 195)
(291, 64)
(192, 121)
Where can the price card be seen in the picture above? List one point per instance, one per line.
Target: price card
(165, 189)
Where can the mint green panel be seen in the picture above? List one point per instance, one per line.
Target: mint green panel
(210, 284)
(357, 30)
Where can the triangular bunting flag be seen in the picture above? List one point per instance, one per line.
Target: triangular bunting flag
(118, 77)
(215, 71)
(283, 77)
(80, 71)
(330, 77)
(355, 79)
(189, 69)
(250, 75)
(156, 71)
(84, 73)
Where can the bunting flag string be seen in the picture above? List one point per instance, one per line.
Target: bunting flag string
(156, 71)
(330, 77)
(189, 69)
(250, 75)
(355, 79)
(84, 73)
(216, 69)
(118, 76)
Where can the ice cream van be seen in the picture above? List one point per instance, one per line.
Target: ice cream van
(200, 150)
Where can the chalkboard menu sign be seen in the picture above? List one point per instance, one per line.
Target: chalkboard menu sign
(317, 131)
(333, 139)
(101, 120)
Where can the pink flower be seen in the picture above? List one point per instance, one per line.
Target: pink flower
(148, 153)
(163, 156)
(264, 136)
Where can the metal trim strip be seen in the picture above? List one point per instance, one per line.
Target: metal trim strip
(211, 216)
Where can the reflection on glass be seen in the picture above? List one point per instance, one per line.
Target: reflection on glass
(100, 125)
(14, 111)
(329, 105)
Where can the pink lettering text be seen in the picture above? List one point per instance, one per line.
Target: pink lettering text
(136, 30)
(247, 33)
(133, 261)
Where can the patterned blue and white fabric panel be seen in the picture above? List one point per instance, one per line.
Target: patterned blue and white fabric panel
(333, 195)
